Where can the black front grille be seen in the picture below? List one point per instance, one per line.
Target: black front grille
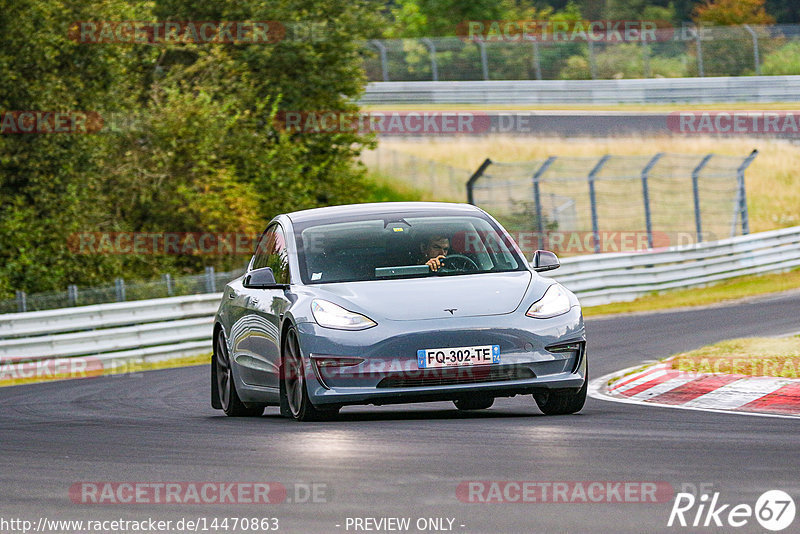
(457, 375)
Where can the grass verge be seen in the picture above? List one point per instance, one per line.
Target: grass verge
(382, 188)
(10, 376)
(735, 288)
(723, 106)
(756, 356)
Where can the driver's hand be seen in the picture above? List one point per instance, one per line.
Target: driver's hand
(435, 263)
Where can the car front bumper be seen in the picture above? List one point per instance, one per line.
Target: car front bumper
(532, 358)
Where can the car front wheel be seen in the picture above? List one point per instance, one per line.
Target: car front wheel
(562, 401)
(294, 393)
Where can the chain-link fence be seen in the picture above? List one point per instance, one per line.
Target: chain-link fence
(120, 291)
(688, 51)
(441, 181)
(615, 203)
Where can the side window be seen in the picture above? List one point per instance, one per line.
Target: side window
(271, 252)
(264, 247)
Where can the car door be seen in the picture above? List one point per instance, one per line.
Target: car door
(258, 352)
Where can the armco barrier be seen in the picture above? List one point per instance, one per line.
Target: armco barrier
(144, 330)
(603, 278)
(628, 91)
(162, 328)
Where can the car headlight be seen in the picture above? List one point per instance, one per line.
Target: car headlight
(332, 315)
(554, 302)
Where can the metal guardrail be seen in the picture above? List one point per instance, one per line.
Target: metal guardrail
(15, 325)
(163, 328)
(628, 91)
(149, 330)
(614, 277)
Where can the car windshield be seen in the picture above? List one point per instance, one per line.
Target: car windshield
(391, 247)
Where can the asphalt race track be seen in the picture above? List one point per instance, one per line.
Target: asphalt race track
(404, 461)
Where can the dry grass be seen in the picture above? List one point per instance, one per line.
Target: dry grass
(744, 106)
(735, 288)
(779, 357)
(11, 376)
(772, 181)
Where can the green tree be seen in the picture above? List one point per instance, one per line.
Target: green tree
(730, 51)
(49, 182)
(200, 151)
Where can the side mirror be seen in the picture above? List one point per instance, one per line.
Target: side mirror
(544, 260)
(262, 278)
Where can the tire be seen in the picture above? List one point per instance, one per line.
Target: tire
(222, 374)
(293, 391)
(562, 401)
(474, 403)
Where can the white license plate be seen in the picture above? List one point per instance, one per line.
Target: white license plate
(458, 356)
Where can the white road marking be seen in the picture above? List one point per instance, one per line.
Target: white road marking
(633, 383)
(597, 390)
(739, 393)
(663, 387)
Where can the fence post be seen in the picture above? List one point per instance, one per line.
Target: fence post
(537, 65)
(432, 50)
(696, 192)
(472, 179)
(119, 285)
(72, 295)
(168, 282)
(211, 282)
(592, 64)
(382, 51)
(22, 301)
(484, 60)
(742, 194)
(699, 47)
(646, 197)
(595, 228)
(536, 195)
(755, 48)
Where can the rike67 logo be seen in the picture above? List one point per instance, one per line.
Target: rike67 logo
(774, 510)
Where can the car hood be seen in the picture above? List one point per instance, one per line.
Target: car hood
(430, 298)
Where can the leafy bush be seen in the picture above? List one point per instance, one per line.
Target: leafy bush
(783, 61)
(623, 61)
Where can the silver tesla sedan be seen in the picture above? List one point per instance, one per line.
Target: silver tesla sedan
(394, 303)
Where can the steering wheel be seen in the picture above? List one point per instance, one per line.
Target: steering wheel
(458, 262)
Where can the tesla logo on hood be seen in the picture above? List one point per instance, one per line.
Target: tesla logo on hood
(451, 310)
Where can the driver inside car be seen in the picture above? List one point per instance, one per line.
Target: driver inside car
(434, 250)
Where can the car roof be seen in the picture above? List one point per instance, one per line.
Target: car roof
(380, 208)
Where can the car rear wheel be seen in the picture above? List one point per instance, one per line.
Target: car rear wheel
(228, 399)
(562, 401)
(294, 393)
(474, 403)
